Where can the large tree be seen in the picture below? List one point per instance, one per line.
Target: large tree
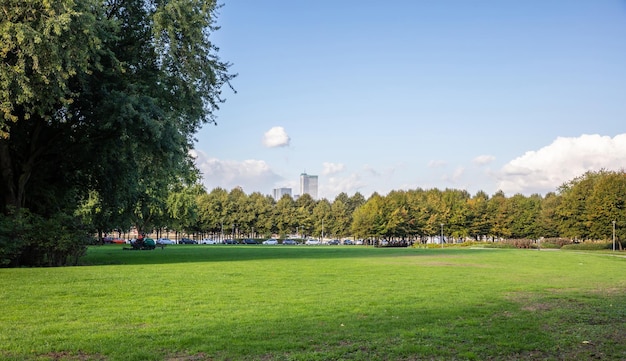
(103, 96)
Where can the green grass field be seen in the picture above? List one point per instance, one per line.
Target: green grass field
(191, 303)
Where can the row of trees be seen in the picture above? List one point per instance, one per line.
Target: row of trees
(582, 209)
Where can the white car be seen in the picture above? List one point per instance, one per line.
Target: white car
(165, 241)
(207, 241)
(312, 242)
(270, 241)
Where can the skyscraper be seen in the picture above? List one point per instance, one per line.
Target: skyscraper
(280, 192)
(308, 185)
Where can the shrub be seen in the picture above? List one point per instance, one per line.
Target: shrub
(502, 244)
(589, 246)
(555, 242)
(27, 239)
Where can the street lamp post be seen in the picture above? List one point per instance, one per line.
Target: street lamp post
(613, 235)
(441, 235)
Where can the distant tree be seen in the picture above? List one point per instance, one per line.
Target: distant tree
(572, 210)
(321, 216)
(340, 219)
(456, 201)
(212, 210)
(479, 224)
(499, 216)
(304, 214)
(285, 216)
(182, 208)
(590, 203)
(548, 220)
(525, 213)
(355, 201)
(367, 221)
(260, 209)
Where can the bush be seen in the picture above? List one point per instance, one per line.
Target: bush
(27, 239)
(555, 242)
(589, 246)
(503, 244)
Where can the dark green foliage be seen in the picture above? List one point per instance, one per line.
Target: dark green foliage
(27, 239)
(99, 104)
(588, 246)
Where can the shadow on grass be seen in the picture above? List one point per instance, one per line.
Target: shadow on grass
(115, 255)
(501, 330)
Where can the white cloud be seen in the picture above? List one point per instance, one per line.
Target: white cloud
(332, 186)
(276, 137)
(332, 168)
(252, 175)
(455, 176)
(437, 164)
(483, 159)
(548, 168)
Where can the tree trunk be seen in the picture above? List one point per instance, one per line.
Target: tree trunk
(8, 177)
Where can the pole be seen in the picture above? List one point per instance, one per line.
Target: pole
(441, 235)
(614, 236)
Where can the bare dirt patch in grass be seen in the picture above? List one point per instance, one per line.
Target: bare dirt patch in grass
(69, 356)
(196, 357)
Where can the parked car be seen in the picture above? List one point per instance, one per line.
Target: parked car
(312, 242)
(187, 241)
(118, 241)
(289, 242)
(230, 241)
(270, 241)
(165, 241)
(334, 242)
(347, 242)
(249, 241)
(208, 241)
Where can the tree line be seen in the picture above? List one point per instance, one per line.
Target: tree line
(581, 209)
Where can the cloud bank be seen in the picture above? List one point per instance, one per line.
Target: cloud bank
(548, 168)
(536, 171)
(252, 175)
(483, 159)
(332, 168)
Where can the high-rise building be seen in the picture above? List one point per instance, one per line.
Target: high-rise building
(308, 185)
(278, 193)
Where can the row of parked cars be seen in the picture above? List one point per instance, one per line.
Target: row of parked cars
(270, 241)
(273, 241)
(162, 241)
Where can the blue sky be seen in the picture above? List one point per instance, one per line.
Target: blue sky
(372, 96)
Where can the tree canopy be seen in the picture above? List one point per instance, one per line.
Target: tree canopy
(99, 103)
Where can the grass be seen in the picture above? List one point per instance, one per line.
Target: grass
(190, 303)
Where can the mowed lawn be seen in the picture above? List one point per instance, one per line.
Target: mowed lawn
(197, 302)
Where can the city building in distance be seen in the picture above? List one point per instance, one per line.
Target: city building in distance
(278, 193)
(308, 185)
